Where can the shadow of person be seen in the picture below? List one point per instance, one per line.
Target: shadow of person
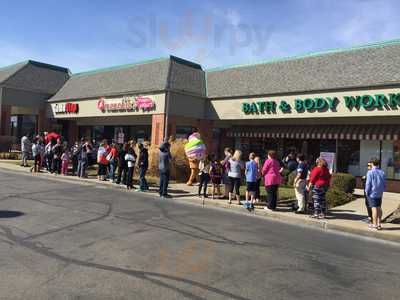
(6, 214)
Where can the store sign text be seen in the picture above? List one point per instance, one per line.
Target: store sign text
(126, 104)
(319, 104)
(66, 108)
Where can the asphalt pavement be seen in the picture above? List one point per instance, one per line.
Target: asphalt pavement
(64, 240)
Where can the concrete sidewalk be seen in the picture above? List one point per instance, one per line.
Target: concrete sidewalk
(346, 218)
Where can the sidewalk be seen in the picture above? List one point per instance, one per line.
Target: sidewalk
(345, 218)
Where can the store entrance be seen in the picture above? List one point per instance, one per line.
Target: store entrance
(118, 134)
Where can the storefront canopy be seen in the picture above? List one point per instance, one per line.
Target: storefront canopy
(341, 132)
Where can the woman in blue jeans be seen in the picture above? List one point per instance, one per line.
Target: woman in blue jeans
(235, 171)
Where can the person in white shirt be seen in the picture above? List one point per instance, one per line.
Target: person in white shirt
(130, 159)
(25, 150)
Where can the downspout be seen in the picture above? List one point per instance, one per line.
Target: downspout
(167, 100)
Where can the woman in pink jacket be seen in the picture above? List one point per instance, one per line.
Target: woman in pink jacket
(272, 179)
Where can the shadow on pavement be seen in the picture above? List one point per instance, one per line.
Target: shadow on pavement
(6, 214)
(344, 216)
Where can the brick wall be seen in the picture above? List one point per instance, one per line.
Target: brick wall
(5, 128)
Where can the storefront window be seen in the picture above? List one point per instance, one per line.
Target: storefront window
(391, 159)
(98, 133)
(368, 150)
(14, 126)
(23, 124)
(348, 159)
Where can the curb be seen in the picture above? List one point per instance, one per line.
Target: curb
(193, 200)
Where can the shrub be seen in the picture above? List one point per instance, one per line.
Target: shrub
(10, 155)
(343, 182)
(179, 164)
(285, 174)
(337, 197)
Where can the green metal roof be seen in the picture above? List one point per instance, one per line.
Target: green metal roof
(309, 54)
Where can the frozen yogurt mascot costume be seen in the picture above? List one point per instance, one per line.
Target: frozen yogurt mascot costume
(195, 149)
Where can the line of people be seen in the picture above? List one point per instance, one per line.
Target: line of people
(232, 171)
(115, 162)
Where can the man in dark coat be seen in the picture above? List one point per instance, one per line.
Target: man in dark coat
(143, 167)
(163, 167)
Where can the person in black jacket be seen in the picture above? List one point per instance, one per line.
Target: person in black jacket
(143, 166)
(57, 152)
(122, 164)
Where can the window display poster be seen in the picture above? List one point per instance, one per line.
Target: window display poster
(330, 159)
(119, 135)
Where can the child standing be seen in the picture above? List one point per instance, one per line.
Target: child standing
(204, 167)
(216, 172)
(65, 162)
(251, 180)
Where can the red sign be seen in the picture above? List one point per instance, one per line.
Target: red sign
(126, 104)
(66, 108)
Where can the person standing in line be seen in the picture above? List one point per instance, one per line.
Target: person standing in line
(83, 158)
(57, 152)
(112, 159)
(122, 164)
(75, 151)
(235, 176)
(251, 173)
(216, 172)
(225, 178)
(259, 177)
(102, 161)
(291, 162)
(25, 150)
(48, 150)
(319, 184)
(163, 167)
(143, 164)
(42, 154)
(65, 157)
(300, 183)
(272, 179)
(204, 173)
(374, 187)
(36, 156)
(369, 209)
(130, 159)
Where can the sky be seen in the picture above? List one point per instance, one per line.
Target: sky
(85, 35)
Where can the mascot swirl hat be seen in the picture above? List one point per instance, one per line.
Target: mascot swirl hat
(195, 147)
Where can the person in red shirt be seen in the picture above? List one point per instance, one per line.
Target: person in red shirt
(112, 159)
(319, 184)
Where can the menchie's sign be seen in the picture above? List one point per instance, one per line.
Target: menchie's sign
(66, 108)
(126, 104)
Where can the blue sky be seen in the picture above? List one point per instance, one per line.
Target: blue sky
(84, 35)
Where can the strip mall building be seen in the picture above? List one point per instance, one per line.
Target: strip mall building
(343, 101)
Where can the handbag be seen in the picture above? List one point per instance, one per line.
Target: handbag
(109, 156)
